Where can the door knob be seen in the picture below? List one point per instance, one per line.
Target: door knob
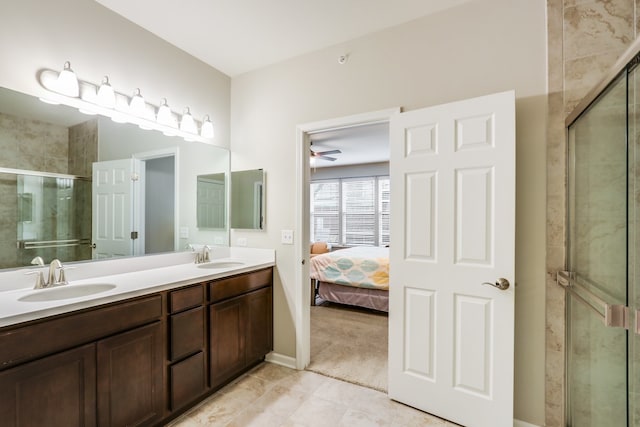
(501, 283)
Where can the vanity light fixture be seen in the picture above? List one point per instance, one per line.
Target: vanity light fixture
(104, 100)
(67, 82)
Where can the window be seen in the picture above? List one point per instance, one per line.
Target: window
(351, 211)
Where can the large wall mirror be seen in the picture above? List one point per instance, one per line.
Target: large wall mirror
(64, 175)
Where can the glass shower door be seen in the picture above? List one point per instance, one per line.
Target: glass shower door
(597, 259)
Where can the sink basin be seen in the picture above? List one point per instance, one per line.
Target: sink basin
(66, 292)
(221, 264)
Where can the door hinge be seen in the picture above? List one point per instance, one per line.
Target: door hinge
(135, 177)
(134, 235)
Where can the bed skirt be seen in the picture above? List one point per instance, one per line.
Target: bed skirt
(375, 299)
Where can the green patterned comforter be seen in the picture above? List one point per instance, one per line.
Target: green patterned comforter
(363, 267)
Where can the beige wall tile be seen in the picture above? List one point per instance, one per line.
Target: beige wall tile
(598, 27)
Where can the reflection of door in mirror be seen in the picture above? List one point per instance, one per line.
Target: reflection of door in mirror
(211, 201)
(134, 206)
(112, 208)
(247, 199)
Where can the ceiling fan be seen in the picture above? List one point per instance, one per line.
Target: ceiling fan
(324, 155)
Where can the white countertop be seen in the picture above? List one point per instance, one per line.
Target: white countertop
(129, 282)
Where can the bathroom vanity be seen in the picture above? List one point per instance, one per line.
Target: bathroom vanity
(141, 358)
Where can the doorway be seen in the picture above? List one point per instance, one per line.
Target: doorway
(156, 202)
(303, 143)
(349, 229)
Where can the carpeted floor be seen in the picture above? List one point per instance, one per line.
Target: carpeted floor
(350, 344)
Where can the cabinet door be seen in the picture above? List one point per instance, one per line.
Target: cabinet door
(130, 377)
(227, 337)
(187, 380)
(259, 338)
(58, 390)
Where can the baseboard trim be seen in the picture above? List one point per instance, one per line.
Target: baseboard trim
(518, 423)
(282, 360)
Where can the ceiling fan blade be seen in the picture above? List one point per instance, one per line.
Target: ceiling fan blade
(332, 159)
(322, 153)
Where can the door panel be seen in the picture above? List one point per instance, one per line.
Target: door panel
(113, 208)
(453, 228)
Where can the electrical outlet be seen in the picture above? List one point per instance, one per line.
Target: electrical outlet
(242, 241)
(218, 241)
(184, 232)
(287, 237)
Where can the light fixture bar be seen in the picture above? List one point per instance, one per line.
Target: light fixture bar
(105, 101)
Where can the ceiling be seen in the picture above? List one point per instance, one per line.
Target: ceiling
(358, 144)
(236, 36)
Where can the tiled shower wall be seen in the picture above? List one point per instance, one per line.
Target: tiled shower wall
(585, 37)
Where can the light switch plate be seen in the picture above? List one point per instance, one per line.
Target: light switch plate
(184, 232)
(287, 237)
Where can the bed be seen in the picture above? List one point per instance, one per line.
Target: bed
(354, 276)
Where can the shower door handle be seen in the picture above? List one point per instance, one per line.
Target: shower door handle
(612, 315)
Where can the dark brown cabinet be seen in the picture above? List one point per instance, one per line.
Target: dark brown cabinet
(55, 391)
(240, 324)
(130, 377)
(139, 362)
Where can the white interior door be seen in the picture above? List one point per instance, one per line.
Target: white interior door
(112, 204)
(453, 229)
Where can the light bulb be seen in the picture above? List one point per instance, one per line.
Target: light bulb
(207, 128)
(187, 124)
(67, 82)
(137, 105)
(106, 94)
(165, 116)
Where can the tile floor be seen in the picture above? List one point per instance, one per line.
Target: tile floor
(275, 396)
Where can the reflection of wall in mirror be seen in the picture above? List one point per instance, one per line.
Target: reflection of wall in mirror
(194, 159)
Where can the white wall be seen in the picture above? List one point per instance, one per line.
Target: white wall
(475, 49)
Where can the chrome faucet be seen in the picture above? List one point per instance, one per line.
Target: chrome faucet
(204, 255)
(52, 280)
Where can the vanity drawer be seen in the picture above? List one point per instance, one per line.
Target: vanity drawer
(186, 333)
(238, 285)
(186, 298)
(187, 380)
(51, 335)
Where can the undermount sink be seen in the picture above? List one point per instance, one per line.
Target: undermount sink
(66, 292)
(221, 264)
